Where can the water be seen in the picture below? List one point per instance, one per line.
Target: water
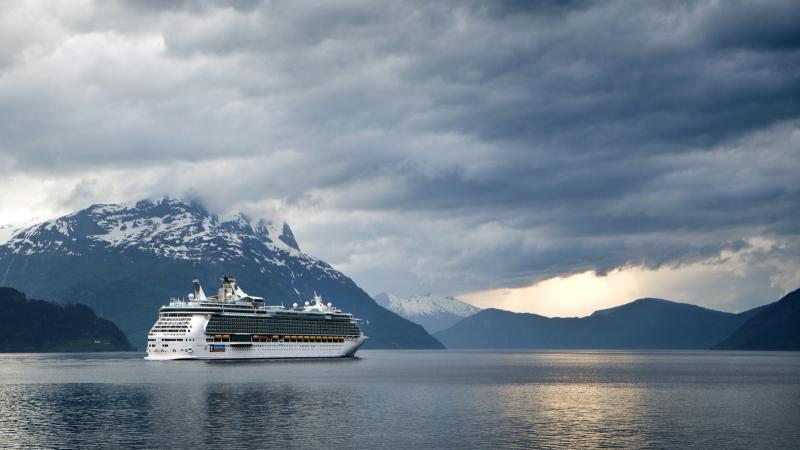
(405, 399)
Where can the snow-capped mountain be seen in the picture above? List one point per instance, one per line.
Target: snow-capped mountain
(169, 227)
(432, 312)
(8, 230)
(125, 260)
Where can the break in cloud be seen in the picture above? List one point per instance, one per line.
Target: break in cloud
(447, 147)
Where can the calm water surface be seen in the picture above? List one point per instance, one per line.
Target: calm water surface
(405, 399)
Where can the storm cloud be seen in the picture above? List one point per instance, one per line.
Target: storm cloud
(440, 146)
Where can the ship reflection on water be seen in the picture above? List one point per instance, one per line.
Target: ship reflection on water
(403, 399)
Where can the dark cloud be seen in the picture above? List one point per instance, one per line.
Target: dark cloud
(760, 26)
(462, 145)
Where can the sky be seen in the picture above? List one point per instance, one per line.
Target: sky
(549, 157)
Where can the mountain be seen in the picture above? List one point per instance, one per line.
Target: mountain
(40, 326)
(432, 312)
(775, 327)
(642, 324)
(126, 260)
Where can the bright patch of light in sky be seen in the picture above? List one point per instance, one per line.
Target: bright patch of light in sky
(715, 283)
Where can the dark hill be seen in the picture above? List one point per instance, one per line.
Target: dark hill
(775, 327)
(642, 324)
(40, 326)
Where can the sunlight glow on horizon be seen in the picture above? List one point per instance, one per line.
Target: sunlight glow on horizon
(581, 294)
(567, 296)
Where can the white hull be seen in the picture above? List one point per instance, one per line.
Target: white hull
(268, 350)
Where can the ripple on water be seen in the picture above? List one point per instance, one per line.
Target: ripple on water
(405, 399)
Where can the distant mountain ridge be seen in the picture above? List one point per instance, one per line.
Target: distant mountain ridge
(38, 326)
(125, 260)
(432, 312)
(642, 324)
(775, 327)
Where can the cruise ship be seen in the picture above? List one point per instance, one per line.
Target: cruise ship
(235, 325)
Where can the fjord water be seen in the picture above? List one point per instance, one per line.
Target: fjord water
(405, 399)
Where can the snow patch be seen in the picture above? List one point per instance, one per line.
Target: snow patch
(425, 305)
(168, 227)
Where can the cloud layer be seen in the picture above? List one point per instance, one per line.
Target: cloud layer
(438, 146)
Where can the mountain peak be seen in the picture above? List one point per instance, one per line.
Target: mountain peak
(171, 227)
(426, 304)
(287, 237)
(646, 302)
(432, 312)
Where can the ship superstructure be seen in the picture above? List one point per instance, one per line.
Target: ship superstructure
(235, 325)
